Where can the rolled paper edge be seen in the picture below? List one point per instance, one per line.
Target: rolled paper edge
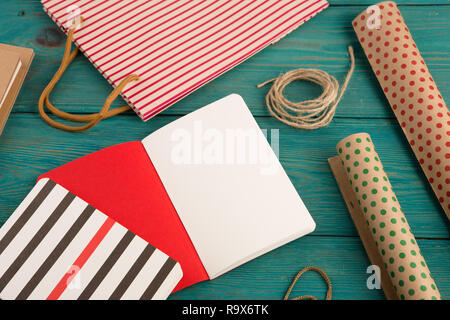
(357, 216)
(375, 4)
(351, 137)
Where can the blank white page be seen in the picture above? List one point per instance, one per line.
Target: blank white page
(228, 187)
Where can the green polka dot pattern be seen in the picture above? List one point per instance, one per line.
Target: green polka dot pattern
(386, 222)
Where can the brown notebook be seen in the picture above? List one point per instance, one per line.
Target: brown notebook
(14, 65)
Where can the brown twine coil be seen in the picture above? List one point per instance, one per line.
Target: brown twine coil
(307, 297)
(309, 114)
(91, 119)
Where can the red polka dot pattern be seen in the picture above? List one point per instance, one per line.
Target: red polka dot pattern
(412, 93)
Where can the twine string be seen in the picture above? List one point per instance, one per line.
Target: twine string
(91, 119)
(308, 297)
(309, 114)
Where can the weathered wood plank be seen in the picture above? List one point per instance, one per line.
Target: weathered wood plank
(29, 148)
(320, 43)
(343, 259)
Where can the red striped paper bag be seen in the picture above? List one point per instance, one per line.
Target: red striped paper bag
(57, 246)
(175, 46)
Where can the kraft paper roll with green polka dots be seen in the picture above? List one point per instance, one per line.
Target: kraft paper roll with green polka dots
(387, 224)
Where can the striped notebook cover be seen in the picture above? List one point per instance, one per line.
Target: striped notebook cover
(56, 246)
(175, 46)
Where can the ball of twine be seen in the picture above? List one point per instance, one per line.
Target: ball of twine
(309, 114)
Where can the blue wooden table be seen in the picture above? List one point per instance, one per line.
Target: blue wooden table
(28, 147)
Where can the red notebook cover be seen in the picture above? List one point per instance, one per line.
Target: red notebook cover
(122, 182)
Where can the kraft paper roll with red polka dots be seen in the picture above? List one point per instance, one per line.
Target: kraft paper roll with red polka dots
(386, 222)
(411, 91)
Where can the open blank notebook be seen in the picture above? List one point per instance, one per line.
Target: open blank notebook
(206, 189)
(232, 195)
(175, 46)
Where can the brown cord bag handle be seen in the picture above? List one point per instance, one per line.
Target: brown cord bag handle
(319, 271)
(91, 119)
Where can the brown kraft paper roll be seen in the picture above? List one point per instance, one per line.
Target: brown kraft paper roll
(411, 91)
(380, 221)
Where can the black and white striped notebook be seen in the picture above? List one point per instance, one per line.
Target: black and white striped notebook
(57, 246)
